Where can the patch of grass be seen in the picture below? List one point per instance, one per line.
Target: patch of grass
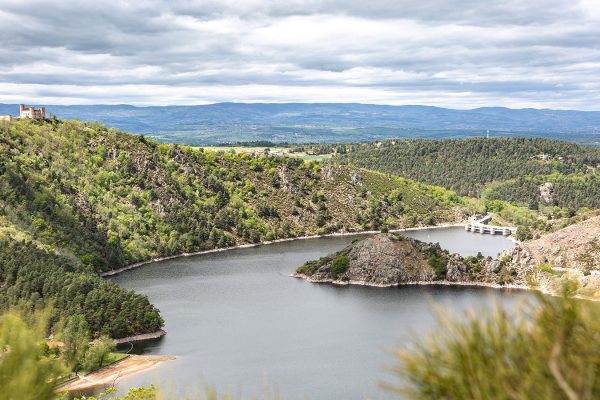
(107, 360)
(112, 357)
(546, 268)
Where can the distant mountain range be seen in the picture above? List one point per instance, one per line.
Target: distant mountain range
(329, 123)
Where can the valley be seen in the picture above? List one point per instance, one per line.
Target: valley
(80, 202)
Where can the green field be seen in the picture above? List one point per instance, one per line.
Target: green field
(283, 151)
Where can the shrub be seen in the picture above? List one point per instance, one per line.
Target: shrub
(339, 266)
(546, 268)
(97, 353)
(439, 265)
(309, 267)
(25, 373)
(523, 233)
(551, 350)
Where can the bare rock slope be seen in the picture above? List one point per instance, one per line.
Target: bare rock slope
(389, 260)
(570, 254)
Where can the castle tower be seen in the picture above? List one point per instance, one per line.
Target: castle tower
(32, 112)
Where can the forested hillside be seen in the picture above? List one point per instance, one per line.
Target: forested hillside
(513, 168)
(100, 199)
(570, 192)
(35, 279)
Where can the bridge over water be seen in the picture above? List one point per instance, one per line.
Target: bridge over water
(481, 226)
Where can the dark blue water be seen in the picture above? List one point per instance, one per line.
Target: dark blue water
(236, 317)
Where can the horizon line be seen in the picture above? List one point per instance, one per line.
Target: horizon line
(292, 103)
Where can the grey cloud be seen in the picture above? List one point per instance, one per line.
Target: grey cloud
(464, 11)
(537, 51)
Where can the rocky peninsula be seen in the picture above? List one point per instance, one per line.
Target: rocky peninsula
(391, 260)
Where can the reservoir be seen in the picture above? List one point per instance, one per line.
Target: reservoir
(236, 319)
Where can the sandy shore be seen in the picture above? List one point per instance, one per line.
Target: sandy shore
(250, 245)
(111, 374)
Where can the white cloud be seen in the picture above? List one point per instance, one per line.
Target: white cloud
(468, 53)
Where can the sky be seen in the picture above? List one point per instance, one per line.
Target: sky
(453, 53)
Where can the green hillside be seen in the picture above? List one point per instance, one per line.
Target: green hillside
(100, 199)
(515, 167)
(32, 279)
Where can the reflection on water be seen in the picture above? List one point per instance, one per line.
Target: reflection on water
(233, 317)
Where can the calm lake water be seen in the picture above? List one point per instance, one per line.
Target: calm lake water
(235, 318)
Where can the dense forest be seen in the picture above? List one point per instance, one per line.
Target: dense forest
(570, 192)
(33, 279)
(513, 168)
(100, 199)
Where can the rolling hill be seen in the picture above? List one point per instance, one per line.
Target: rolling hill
(329, 123)
(77, 199)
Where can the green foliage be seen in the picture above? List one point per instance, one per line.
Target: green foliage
(103, 199)
(339, 265)
(438, 264)
(340, 258)
(568, 191)
(112, 199)
(546, 268)
(309, 267)
(34, 278)
(153, 393)
(508, 169)
(142, 393)
(474, 264)
(549, 351)
(97, 353)
(76, 336)
(523, 233)
(25, 371)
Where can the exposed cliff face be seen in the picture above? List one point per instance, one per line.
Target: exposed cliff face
(389, 260)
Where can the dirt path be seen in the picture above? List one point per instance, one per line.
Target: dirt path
(111, 374)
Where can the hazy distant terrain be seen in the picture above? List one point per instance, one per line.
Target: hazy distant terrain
(329, 123)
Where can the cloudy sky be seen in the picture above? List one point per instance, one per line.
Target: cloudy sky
(453, 53)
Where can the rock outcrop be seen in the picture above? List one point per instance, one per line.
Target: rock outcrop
(574, 247)
(572, 253)
(390, 260)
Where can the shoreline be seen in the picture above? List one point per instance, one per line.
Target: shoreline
(541, 289)
(109, 375)
(415, 283)
(265, 243)
(141, 337)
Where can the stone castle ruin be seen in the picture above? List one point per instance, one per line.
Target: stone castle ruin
(26, 113)
(32, 112)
